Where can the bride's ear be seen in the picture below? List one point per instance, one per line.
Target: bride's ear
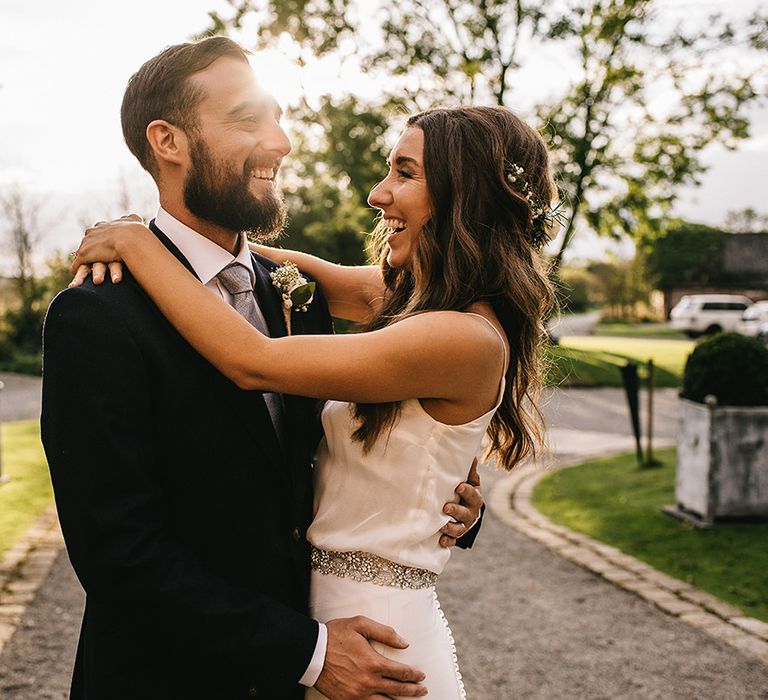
(168, 142)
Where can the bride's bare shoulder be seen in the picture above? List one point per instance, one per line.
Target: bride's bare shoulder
(473, 331)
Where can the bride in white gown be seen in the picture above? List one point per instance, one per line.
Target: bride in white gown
(455, 318)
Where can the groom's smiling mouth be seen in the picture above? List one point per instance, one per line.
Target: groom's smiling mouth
(263, 174)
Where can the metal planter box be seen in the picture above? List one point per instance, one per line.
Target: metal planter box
(722, 462)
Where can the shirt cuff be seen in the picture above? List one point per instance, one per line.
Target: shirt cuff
(317, 661)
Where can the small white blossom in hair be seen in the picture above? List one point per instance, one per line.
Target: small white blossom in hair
(545, 221)
(296, 292)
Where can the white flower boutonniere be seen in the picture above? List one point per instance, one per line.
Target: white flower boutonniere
(296, 292)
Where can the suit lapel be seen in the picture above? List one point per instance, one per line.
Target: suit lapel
(248, 406)
(269, 299)
(271, 304)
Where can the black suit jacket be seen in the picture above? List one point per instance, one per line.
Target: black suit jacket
(183, 516)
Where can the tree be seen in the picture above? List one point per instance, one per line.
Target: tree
(22, 321)
(621, 158)
(747, 220)
(20, 214)
(341, 156)
(621, 286)
(620, 155)
(684, 253)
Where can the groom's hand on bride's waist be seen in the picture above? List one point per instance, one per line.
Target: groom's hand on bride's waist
(353, 670)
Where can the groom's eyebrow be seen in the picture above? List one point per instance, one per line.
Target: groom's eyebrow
(258, 107)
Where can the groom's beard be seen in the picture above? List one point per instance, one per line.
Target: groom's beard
(221, 196)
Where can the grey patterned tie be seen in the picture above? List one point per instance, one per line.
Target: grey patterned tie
(236, 279)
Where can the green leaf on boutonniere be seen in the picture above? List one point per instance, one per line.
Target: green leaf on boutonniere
(302, 294)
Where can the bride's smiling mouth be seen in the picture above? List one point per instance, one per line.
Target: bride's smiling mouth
(395, 226)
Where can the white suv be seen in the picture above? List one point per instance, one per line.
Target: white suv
(753, 318)
(708, 313)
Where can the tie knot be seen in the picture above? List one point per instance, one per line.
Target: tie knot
(235, 278)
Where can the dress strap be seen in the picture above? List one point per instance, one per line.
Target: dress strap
(501, 337)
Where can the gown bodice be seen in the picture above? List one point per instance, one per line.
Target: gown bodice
(389, 501)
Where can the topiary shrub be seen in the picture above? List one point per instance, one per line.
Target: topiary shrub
(732, 367)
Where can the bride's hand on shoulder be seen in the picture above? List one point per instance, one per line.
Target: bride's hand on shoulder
(97, 253)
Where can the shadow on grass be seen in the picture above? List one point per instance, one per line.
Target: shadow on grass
(577, 367)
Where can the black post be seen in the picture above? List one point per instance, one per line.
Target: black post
(631, 388)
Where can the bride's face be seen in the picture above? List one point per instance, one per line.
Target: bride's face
(402, 196)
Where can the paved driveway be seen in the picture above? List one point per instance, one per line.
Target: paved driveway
(527, 623)
(20, 397)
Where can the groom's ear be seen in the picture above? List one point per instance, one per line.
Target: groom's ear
(168, 142)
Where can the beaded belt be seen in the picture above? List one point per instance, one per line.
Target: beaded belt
(369, 568)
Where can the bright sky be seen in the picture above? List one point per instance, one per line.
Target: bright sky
(64, 66)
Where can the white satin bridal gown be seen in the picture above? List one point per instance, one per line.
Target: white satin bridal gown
(375, 534)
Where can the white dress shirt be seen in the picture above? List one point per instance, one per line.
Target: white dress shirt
(208, 259)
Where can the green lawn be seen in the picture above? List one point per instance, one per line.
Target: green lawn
(615, 502)
(29, 490)
(639, 330)
(595, 360)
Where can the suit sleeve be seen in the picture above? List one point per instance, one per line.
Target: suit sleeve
(467, 540)
(98, 437)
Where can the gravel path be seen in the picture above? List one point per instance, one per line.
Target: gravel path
(574, 324)
(527, 623)
(37, 663)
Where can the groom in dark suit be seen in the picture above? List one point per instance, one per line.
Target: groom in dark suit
(184, 500)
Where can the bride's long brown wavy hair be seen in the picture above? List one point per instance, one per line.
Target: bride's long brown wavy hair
(475, 247)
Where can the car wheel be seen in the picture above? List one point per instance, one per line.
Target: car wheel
(711, 330)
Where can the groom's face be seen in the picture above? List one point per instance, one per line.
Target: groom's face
(235, 152)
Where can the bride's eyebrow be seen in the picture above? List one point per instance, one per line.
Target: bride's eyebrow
(402, 160)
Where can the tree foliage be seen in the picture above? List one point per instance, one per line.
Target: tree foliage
(747, 220)
(686, 253)
(21, 322)
(620, 286)
(342, 155)
(640, 99)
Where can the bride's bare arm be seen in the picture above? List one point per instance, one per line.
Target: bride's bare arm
(353, 292)
(434, 355)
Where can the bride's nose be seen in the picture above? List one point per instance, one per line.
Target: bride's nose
(380, 196)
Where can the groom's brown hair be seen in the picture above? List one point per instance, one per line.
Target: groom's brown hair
(160, 89)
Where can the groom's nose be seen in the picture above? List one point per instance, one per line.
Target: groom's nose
(276, 140)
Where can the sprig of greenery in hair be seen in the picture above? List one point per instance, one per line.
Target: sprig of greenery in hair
(546, 221)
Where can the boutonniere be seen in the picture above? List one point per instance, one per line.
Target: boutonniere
(296, 292)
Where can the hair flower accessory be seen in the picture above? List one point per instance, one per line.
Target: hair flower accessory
(296, 292)
(546, 221)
